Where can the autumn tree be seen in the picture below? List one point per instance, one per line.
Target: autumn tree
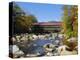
(70, 21)
(22, 21)
(70, 25)
(74, 18)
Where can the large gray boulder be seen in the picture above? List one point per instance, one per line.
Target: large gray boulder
(13, 49)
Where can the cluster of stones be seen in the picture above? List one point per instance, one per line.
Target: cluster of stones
(21, 44)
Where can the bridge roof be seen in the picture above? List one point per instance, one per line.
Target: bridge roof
(48, 23)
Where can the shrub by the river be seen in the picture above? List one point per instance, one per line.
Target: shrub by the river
(70, 44)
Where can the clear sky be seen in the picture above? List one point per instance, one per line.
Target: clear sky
(43, 12)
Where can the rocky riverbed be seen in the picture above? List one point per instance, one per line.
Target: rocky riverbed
(31, 45)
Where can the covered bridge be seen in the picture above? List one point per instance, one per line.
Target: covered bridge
(46, 27)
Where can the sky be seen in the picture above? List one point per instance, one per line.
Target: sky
(42, 11)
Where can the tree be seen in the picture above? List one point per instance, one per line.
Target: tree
(21, 21)
(70, 25)
(33, 18)
(74, 18)
(70, 21)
